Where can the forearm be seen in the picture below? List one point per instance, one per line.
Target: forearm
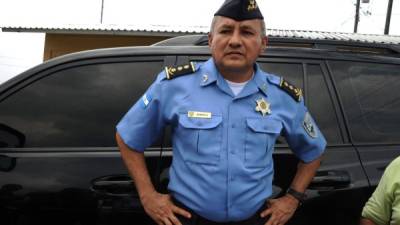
(136, 165)
(364, 221)
(158, 206)
(304, 175)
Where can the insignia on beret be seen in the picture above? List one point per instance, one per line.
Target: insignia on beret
(176, 71)
(252, 5)
(293, 91)
(240, 10)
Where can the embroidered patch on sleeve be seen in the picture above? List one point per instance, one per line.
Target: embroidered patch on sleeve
(309, 126)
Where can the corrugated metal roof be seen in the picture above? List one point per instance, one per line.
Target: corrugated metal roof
(140, 29)
(176, 30)
(320, 35)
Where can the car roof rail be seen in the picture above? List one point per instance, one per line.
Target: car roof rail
(186, 40)
(343, 45)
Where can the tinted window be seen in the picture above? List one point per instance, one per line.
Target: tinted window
(318, 98)
(371, 99)
(78, 106)
(320, 104)
(293, 72)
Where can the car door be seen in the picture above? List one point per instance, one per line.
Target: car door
(59, 161)
(369, 91)
(340, 177)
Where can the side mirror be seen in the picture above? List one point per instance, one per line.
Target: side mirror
(11, 138)
(7, 164)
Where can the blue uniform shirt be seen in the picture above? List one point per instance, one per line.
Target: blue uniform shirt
(222, 164)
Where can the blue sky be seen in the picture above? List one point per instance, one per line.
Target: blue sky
(20, 51)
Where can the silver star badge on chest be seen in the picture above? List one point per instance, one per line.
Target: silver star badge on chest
(263, 106)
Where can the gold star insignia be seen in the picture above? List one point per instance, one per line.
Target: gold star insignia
(263, 106)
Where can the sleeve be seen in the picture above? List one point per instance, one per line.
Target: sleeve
(303, 135)
(379, 206)
(144, 122)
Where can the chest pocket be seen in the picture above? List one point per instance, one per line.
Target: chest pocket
(201, 139)
(261, 135)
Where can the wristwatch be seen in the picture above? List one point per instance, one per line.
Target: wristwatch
(297, 195)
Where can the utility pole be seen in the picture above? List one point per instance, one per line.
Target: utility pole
(357, 16)
(388, 16)
(102, 8)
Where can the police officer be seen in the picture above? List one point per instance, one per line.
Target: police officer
(226, 115)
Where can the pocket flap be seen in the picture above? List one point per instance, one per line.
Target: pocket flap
(264, 125)
(199, 123)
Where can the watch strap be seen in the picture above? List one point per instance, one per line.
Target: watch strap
(297, 195)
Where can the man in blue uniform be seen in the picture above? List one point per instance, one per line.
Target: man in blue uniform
(225, 116)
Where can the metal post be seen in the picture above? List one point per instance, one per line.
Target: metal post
(357, 16)
(388, 16)
(102, 9)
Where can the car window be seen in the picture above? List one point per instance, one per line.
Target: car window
(320, 104)
(77, 106)
(371, 99)
(293, 72)
(318, 99)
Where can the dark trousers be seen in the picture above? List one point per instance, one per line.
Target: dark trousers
(198, 220)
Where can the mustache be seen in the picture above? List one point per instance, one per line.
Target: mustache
(233, 52)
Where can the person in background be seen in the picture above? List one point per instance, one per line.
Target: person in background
(383, 207)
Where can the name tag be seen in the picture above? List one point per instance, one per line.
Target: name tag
(203, 115)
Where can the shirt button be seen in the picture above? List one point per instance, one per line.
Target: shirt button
(233, 125)
(232, 178)
(232, 152)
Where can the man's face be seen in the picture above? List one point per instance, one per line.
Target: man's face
(235, 45)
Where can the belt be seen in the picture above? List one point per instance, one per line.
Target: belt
(199, 220)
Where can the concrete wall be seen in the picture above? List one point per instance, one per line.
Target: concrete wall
(61, 44)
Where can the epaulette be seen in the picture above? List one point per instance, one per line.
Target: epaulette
(293, 91)
(179, 70)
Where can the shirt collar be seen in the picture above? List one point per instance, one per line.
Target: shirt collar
(210, 74)
(260, 79)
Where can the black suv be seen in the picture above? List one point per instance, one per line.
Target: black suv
(59, 163)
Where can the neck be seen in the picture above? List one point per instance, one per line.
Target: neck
(237, 76)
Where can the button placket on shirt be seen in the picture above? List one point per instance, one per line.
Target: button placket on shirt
(230, 154)
(232, 150)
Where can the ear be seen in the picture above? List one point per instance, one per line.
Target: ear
(210, 39)
(264, 42)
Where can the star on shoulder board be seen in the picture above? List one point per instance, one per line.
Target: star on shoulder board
(293, 91)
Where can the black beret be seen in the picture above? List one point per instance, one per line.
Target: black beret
(240, 10)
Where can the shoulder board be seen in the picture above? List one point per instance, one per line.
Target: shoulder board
(179, 70)
(293, 91)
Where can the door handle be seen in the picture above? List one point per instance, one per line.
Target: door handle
(331, 179)
(114, 185)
